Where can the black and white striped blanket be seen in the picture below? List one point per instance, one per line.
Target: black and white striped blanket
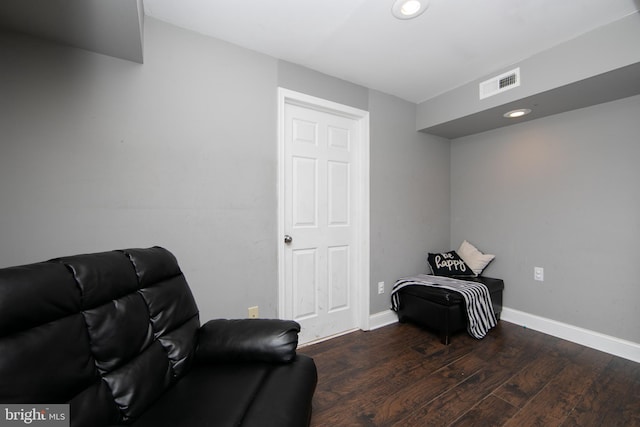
(480, 313)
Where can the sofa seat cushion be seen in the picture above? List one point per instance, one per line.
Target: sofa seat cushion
(237, 394)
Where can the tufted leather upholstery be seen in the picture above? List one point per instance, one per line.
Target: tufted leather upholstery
(116, 333)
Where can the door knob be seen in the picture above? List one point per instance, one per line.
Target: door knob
(288, 239)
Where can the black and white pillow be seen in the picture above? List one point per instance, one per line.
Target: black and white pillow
(448, 264)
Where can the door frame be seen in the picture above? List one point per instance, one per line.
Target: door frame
(360, 199)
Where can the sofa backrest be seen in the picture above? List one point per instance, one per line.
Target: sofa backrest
(105, 332)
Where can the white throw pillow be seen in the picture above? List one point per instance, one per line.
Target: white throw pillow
(475, 259)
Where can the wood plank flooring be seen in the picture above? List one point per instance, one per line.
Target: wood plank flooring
(401, 375)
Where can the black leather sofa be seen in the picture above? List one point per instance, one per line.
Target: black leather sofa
(117, 336)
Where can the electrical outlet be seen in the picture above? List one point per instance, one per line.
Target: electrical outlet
(253, 312)
(538, 274)
(380, 288)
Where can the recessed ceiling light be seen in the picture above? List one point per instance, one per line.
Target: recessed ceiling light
(517, 113)
(409, 9)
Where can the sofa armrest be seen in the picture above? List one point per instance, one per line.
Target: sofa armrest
(266, 340)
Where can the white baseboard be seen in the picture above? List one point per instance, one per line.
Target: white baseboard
(612, 345)
(616, 346)
(382, 318)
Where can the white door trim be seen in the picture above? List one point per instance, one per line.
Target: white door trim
(361, 204)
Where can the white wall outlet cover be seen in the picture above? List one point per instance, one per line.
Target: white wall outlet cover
(254, 312)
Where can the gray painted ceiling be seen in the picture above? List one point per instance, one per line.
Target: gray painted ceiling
(605, 87)
(109, 27)
(453, 43)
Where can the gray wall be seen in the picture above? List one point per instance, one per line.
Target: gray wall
(311, 82)
(99, 153)
(409, 195)
(559, 193)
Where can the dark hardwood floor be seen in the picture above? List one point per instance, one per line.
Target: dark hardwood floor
(401, 375)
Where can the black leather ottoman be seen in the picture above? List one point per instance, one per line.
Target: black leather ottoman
(442, 310)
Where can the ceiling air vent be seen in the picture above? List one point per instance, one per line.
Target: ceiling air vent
(500, 83)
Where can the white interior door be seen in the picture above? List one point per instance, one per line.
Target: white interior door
(321, 221)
